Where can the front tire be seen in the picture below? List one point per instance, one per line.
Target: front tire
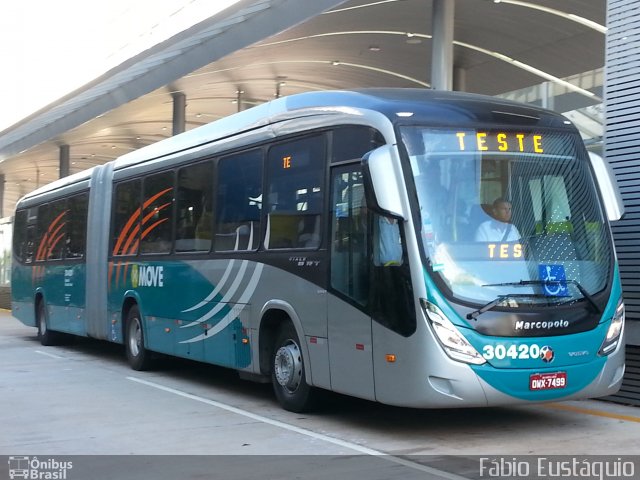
(288, 372)
(138, 356)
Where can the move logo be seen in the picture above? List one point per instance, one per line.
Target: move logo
(147, 276)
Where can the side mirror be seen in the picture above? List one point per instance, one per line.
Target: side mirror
(383, 182)
(606, 180)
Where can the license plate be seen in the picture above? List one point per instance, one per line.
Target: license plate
(547, 381)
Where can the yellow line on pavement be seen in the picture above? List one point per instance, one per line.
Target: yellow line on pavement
(596, 413)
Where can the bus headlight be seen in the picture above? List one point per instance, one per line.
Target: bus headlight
(615, 330)
(452, 341)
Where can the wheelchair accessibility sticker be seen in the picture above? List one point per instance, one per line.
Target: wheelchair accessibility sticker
(554, 280)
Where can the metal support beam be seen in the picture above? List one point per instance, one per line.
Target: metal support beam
(442, 44)
(179, 112)
(63, 161)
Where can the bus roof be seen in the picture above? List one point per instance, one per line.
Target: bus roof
(448, 108)
(388, 101)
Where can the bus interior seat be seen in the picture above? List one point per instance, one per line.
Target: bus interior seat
(309, 231)
(477, 215)
(283, 229)
(235, 222)
(309, 225)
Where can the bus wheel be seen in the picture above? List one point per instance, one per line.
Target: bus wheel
(138, 356)
(288, 374)
(47, 337)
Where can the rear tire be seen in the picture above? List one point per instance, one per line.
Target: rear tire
(288, 372)
(138, 356)
(46, 336)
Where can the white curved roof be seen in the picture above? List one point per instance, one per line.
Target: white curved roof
(261, 48)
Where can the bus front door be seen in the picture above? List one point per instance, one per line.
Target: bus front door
(349, 320)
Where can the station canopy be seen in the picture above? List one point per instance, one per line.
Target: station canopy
(259, 49)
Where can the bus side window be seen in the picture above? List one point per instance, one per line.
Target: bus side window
(239, 202)
(126, 218)
(30, 245)
(295, 193)
(351, 230)
(157, 213)
(350, 142)
(350, 235)
(20, 236)
(387, 244)
(51, 230)
(77, 231)
(194, 197)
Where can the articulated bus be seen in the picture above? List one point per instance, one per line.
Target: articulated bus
(329, 241)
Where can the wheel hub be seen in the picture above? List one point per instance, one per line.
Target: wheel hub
(135, 337)
(288, 366)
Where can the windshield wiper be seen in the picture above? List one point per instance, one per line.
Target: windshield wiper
(493, 303)
(522, 283)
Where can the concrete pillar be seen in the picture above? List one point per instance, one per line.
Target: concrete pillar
(63, 161)
(442, 44)
(547, 99)
(2, 214)
(239, 93)
(179, 112)
(459, 79)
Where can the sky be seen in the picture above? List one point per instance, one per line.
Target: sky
(49, 48)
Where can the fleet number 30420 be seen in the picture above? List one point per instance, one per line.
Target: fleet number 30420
(515, 352)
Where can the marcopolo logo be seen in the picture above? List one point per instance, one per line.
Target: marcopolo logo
(541, 325)
(147, 276)
(38, 469)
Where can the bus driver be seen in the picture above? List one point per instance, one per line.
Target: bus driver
(500, 228)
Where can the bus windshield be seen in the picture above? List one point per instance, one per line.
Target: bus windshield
(509, 216)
